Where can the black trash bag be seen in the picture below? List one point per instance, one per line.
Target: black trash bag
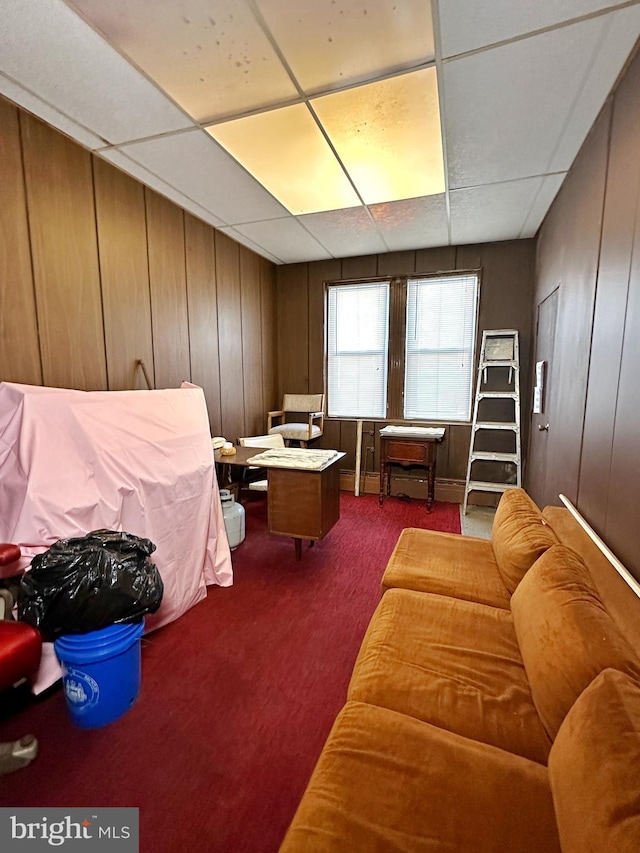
(90, 582)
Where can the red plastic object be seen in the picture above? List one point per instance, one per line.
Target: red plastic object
(8, 553)
(20, 649)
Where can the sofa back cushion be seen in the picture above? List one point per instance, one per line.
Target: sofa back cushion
(566, 636)
(520, 535)
(593, 768)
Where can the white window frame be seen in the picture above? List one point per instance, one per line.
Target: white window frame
(397, 362)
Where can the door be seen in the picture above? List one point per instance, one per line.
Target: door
(541, 422)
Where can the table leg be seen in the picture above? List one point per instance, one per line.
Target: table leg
(298, 544)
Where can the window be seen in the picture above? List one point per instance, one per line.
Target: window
(357, 335)
(402, 348)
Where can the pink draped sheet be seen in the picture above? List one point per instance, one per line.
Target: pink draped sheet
(140, 461)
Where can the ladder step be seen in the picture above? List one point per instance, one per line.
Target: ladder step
(498, 395)
(483, 486)
(489, 456)
(499, 362)
(496, 425)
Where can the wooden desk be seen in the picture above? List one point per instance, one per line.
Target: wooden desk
(301, 503)
(408, 452)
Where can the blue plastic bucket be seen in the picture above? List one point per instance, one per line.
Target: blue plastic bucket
(101, 673)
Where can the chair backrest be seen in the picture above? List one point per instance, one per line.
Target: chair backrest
(303, 403)
(274, 440)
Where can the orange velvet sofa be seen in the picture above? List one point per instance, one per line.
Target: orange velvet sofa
(495, 702)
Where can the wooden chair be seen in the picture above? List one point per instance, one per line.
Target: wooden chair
(311, 405)
(258, 441)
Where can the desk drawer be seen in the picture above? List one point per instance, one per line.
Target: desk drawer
(407, 451)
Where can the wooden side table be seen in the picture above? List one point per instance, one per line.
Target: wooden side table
(408, 451)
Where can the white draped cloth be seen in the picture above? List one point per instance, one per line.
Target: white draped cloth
(139, 461)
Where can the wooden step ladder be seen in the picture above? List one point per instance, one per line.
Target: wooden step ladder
(498, 380)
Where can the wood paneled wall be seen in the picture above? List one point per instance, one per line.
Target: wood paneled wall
(97, 271)
(506, 295)
(589, 247)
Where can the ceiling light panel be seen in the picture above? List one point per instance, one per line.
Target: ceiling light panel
(212, 58)
(331, 43)
(387, 135)
(285, 150)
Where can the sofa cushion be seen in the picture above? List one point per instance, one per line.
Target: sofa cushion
(565, 634)
(388, 783)
(446, 563)
(452, 663)
(519, 536)
(593, 767)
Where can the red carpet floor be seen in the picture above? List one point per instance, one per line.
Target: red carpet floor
(237, 697)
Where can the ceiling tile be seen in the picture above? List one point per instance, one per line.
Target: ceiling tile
(317, 38)
(212, 58)
(387, 135)
(198, 167)
(21, 96)
(546, 194)
(344, 233)
(287, 152)
(241, 238)
(495, 212)
(416, 223)
(286, 239)
(113, 155)
(468, 25)
(50, 50)
(500, 122)
(622, 31)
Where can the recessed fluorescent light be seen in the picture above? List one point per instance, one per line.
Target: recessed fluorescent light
(387, 135)
(286, 152)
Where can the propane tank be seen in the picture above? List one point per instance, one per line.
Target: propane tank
(233, 514)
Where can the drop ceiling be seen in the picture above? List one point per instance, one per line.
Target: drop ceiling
(145, 85)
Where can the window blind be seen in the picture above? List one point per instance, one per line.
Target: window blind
(441, 324)
(357, 335)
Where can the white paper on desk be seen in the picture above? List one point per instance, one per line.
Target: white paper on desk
(293, 457)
